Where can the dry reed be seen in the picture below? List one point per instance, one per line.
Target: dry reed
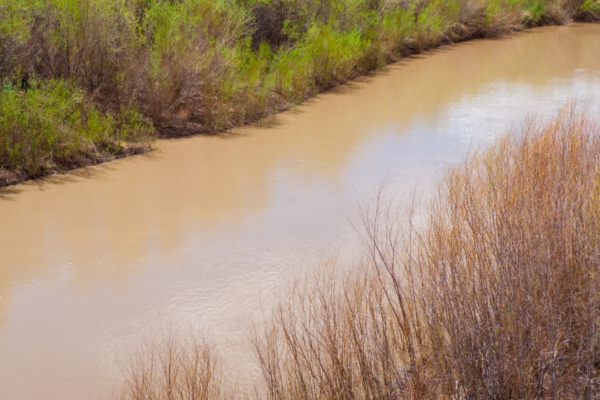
(493, 294)
(173, 367)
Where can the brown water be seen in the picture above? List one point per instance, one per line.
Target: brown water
(201, 232)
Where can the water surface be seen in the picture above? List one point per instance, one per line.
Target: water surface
(202, 231)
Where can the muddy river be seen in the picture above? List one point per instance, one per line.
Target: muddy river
(201, 232)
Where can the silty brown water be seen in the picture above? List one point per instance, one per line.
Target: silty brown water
(200, 233)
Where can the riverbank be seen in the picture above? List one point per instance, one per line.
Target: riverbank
(494, 294)
(89, 82)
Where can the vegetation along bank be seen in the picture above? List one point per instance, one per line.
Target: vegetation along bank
(86, 81)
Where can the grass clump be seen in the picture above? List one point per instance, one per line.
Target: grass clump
(492, 293)
(175, 368)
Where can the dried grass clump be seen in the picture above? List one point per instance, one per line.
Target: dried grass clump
(334, 338)
(173, 367)
(496, 296)
(508, 267)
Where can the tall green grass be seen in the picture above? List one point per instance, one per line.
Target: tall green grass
(202, 66)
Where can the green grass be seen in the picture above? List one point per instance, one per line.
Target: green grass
(51, 127)
(203, 66)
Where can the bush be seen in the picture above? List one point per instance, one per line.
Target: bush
(192, 47)
(51, 126)
(173, 367)
(495, 297)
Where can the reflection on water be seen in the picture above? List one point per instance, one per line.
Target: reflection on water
(200, 232)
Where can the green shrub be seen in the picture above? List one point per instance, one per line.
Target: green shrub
(535, 10)
(591, 5)
(50, 125)
(192, 48)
